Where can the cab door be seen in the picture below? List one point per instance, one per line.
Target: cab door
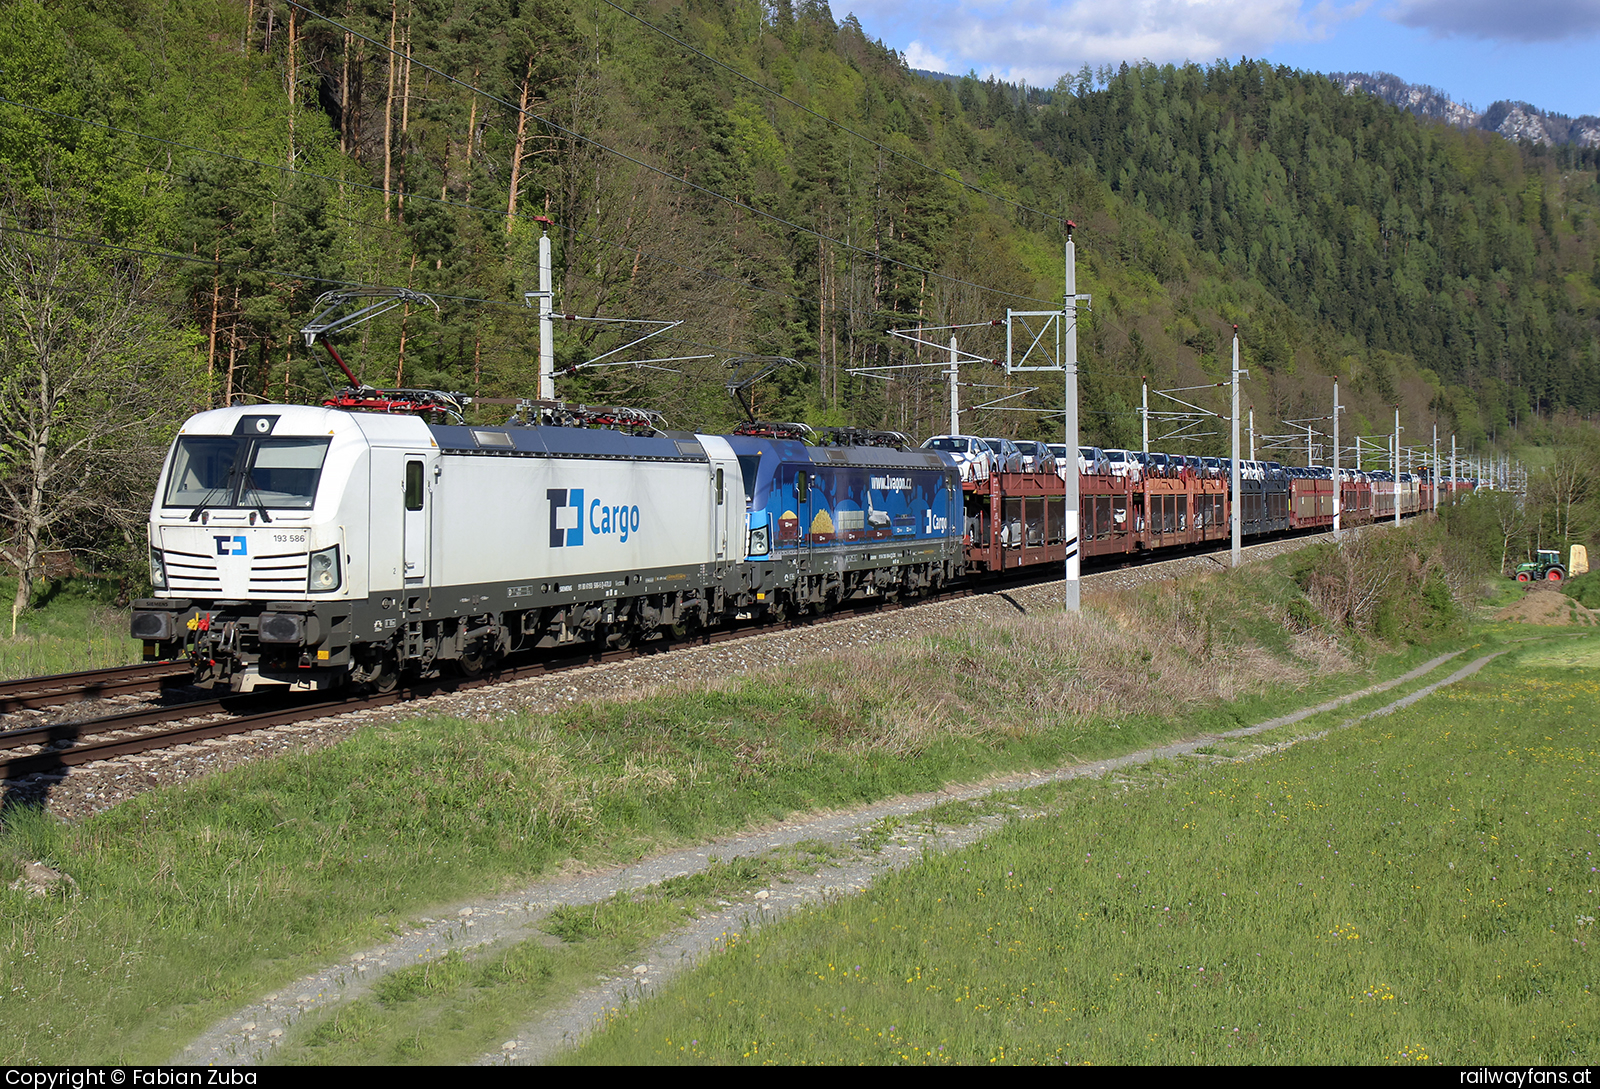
(719, 511)
(417, 489)
(805, 505)
(727, 515)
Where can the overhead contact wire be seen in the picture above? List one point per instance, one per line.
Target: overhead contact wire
(562, 129)
(410, 196)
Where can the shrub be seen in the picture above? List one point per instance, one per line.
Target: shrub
(1396, 585)
(1585, 589)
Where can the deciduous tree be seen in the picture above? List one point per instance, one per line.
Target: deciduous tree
(94, 376)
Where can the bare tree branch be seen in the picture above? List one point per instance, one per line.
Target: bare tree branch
(93, 377)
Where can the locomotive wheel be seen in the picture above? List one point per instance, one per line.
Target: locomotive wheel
(777, 610)
(472, 662)
(387, 680)
(384, 675)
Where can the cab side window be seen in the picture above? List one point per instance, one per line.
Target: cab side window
(413, 485)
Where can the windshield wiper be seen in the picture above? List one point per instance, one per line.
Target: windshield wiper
(253, 490)
(205, 500)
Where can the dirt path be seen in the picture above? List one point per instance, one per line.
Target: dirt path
(252, 1033)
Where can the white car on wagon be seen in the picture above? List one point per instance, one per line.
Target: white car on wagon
(972, 457)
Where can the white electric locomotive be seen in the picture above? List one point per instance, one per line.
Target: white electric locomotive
(308, 546)
(313, 547)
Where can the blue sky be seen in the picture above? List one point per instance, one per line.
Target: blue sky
(1543, 52)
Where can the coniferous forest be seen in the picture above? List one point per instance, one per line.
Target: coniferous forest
(181, 179)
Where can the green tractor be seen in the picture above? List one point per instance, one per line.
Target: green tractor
(1547, 568)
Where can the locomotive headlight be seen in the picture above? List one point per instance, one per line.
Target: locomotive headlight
(158, 570)
(323, 574)
(758, 541)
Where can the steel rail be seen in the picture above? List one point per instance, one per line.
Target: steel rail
(91, 684)
(128, 720)
(287, 713)
(290, 711)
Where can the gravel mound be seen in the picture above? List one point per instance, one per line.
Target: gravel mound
(1547, 607)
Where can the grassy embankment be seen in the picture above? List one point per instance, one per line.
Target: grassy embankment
(198, 899)
(1418, 888)
(73, 626)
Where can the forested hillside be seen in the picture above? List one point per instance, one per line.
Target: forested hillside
(768, 176)
(1459, 250)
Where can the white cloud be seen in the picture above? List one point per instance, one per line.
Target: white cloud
(919, 56)
(1039, 40)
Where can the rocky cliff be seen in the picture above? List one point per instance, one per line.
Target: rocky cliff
(1513, 120)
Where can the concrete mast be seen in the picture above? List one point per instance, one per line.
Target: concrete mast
(1235, 513)
(1069, 359)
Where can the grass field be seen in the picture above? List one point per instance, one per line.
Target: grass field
(1418, 888)
(198, 899)
(73, 626)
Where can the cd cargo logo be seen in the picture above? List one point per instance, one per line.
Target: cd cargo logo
(568, 516)
(566, 521)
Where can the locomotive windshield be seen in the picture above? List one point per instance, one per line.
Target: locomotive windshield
(749, 466)
(244, 471)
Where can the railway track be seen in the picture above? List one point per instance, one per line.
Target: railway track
(62, 745)
(33, 692)
(56, 747)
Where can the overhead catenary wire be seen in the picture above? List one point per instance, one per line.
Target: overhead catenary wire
(233, 265)
(241, 266)
(343, 180)
(414, 197)
(555, 126)
(209, 262)
(420, 197)
(199, 259)
(410, 196)
(311, 278)
(173, 172)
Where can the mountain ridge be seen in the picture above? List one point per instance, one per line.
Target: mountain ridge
(1513, 120)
